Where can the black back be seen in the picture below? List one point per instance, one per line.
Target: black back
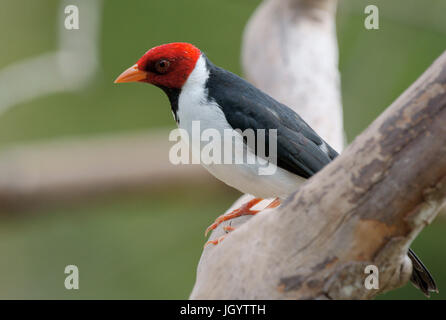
(299, 147)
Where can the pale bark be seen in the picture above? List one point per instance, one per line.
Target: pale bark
(365, 208)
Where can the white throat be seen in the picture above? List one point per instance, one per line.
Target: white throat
(194, 103)
(198, 76)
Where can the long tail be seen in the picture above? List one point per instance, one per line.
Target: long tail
(421, 277)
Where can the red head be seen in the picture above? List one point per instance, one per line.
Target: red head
(168, 65)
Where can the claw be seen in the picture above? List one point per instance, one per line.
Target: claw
(242, 211)
(275, 203)
(215, 242)
(228, 228)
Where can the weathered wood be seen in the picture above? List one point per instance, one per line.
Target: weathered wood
(365, 208)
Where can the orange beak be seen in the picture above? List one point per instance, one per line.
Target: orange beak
(132, 74)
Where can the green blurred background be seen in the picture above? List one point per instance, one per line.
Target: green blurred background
(146, 244)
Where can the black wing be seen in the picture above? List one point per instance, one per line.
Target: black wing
(299, 149)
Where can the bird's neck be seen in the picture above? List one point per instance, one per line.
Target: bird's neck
(192, 93)
(173, 94)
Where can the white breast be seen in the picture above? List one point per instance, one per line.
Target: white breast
(193, 105)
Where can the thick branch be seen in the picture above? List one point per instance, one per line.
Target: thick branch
(364, 208)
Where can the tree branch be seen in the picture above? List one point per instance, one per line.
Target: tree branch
(366, 207)
(76, 168)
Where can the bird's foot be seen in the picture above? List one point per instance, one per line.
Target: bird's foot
(214, 242)
(240, 212)
(244, 210)
(227, 229)
(275, 203)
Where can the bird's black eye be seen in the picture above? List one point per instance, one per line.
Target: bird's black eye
(162, 66)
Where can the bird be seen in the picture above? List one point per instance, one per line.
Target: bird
(198, 90)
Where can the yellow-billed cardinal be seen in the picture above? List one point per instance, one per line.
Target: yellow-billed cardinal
(198, 90)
